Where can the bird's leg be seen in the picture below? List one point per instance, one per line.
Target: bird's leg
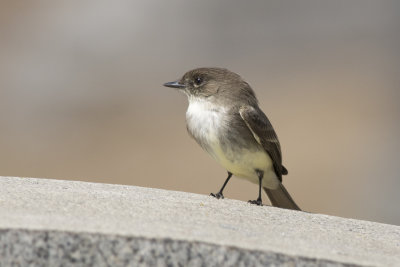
(258, 202)
(219, 194)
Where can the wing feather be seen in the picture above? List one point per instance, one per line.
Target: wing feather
(264, 133)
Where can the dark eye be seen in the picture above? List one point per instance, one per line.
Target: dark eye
(198, 80)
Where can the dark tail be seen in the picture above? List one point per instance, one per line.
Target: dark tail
(280, 198)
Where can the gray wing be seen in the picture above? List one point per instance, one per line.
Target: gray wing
(264, 133)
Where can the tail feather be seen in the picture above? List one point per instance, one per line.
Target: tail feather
(280, 198)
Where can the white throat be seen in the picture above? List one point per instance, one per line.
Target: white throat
(203, 118)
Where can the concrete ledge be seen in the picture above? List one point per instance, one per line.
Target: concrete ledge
(52, 222)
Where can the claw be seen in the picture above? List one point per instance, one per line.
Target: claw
(217, 195)
(257, 202)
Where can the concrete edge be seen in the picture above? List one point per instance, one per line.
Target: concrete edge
(56, 248)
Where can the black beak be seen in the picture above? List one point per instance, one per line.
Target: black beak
(175, 84)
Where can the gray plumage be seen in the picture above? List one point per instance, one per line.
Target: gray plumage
(225, 120)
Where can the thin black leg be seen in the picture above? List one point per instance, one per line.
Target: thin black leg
(219, 194)
(258, 202)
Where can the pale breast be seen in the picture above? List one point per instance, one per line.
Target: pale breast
(207, 123)
(229, 144)
(205, 120)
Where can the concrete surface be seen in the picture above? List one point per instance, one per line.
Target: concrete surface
(53, 222)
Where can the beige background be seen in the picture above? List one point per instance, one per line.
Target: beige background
(81, 95)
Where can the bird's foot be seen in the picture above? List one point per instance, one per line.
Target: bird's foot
(217, 195)
(257, 202)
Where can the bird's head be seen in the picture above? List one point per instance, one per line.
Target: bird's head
(211, 82)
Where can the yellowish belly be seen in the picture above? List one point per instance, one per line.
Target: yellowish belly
(244, 164)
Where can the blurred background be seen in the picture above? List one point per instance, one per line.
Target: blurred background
(81, 94)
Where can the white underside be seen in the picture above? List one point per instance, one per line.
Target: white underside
(205, 120)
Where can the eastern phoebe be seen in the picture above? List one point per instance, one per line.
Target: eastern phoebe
(225, 120)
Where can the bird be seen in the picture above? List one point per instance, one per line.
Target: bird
(224, 118)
